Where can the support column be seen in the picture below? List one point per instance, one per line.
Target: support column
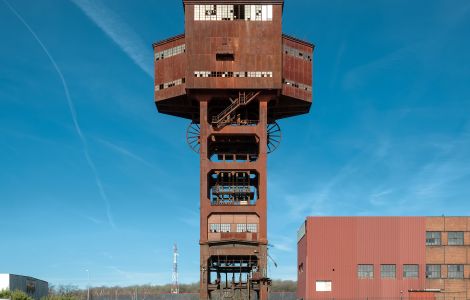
(204, 247)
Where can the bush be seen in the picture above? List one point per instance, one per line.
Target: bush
(15, 295)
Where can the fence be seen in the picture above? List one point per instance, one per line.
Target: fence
(183, 296)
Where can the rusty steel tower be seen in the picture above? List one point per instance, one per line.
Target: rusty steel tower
(232, 75)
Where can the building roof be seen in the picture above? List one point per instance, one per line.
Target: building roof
(30, 277)
(168, 40)
(294, 39)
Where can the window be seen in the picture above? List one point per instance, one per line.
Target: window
(214, 227)
(224, 227)
(455, 271)
(301, 86)
(225, 57)
(252, 227)
(455, 238)
(410, 271)
(365, 271)
(433, 271)
(241, 227)
(166, 85)
(267, 74)
(297, 53)
(433, 238)
(388, 271)
(170, 52)
(225, 12)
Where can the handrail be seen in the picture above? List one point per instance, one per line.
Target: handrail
(243, 99)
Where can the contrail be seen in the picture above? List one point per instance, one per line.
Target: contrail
(74, 116)
(119, 32)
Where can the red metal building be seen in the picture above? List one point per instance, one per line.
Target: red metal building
(384, 257)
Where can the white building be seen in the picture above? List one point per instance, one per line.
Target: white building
(35, 288)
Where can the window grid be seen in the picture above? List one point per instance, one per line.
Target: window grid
(433, 271)
(205, 12)
(295, 84)
(410, 271)
(170, 84)
(455, 238)
(224, 227)
(170, 52)
(388, 271)
(252, 227)
(455, 271)
(297, 53)
(241, 227)
(433, 238)
(365, 271)
(214, 227)
(258, 74)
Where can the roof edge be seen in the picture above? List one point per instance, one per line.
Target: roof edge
(168, 40)
(294, 39)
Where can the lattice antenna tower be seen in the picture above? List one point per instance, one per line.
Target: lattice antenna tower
(174, 275)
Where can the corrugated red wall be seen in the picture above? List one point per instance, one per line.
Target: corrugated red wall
(336, 245)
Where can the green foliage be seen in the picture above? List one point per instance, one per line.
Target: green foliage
(15, 295)
(4, 294)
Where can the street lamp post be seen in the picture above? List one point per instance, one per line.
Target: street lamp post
(88, 285)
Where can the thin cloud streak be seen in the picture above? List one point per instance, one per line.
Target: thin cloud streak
(119, 32)
(73, 113)
(123, 151)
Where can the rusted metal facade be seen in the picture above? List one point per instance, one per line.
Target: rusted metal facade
(232, 75)
(404, 254)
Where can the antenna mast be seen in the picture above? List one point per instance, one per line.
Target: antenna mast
(174, 276)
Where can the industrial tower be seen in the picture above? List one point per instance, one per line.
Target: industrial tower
(233, 74)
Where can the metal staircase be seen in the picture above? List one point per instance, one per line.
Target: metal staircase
(226, 116)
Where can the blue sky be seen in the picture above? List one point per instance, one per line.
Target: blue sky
(92, 177)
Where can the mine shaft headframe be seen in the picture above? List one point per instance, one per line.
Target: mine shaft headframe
(193, 136)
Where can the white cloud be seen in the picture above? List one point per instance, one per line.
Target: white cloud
(118, 31)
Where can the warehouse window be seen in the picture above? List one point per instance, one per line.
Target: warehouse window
(433, 238)
(433, 271)
(241, 227)
(214, 227)
(365, 271)
(388, 271)
(455, 271)
(410, 271)
(224, 227)
(252, 227)
(455, 238)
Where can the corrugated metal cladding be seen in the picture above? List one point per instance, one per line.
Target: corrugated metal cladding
(335, 246)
